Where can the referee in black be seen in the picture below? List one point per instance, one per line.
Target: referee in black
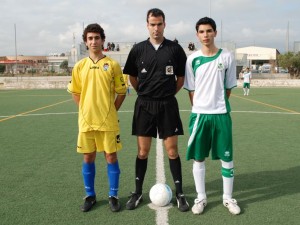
(156, 67)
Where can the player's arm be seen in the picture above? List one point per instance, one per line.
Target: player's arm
(191, 95)
(76, 98)
(228, 92)
(179, 83)
(118, 101)
(134, 82)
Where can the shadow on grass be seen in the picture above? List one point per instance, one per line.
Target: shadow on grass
(254, 187)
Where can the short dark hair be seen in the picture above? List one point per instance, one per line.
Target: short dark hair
(206, 20)
(156, 13)
(94, 28)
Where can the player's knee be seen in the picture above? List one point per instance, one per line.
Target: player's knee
(227, 165)
(89, 157)
(111, 157)
(143, 154)
(227, 169)
(172, 153)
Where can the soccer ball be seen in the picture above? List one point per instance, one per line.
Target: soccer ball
(160, 194)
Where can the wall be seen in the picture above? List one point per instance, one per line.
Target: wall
(61, 82)
(53, 82)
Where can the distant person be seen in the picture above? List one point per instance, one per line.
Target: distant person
(98, 89)
(210, 75)
(260, 69)
(156, 68)
(108, 46)
(176, 41)
(247, 75)
(113, 46)
(191, 46)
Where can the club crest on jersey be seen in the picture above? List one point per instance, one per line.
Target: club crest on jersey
(220, 66)
(169, 70)
(105, 66)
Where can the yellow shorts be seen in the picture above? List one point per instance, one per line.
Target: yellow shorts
(108, 141)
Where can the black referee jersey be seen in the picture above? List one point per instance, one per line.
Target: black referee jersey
(156, 69)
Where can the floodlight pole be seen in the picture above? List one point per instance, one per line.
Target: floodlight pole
(210, 8)
(16, 52)
(287, 38)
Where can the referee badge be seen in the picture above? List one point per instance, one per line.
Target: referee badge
(169, 70)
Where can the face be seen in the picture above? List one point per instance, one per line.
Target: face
(156, 27)
(94, 42)
(206, 34)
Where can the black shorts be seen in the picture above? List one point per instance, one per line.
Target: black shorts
(156, 116)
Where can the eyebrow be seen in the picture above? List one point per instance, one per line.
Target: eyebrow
(94, 36)
(208, 30)
(153, 24)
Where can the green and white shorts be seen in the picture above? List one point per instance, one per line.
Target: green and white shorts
(210, 132)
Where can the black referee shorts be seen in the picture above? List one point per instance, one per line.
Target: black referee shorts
(156, 116)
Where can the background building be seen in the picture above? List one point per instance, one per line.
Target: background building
(297, 46)
(258, 57)
(33, 64)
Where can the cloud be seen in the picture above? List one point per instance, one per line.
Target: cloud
(44, 26)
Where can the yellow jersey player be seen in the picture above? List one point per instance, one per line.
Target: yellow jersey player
(98, 88)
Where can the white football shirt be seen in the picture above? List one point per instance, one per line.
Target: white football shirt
(209, 77)
(247, 76)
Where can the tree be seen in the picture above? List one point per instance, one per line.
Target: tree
(2, 68)
(291, 61)
(64, 66)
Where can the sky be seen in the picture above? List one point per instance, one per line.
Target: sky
(41, 27)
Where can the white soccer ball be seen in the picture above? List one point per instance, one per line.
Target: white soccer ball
(160, 194)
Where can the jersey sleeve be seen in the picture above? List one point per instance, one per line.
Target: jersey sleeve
(189, 79)
(181, 62)
(74, 86)
(230, 81)
(120, 87)
(130, 67)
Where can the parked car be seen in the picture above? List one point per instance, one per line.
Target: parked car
(282, 70)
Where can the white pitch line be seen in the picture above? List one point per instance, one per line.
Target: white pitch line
(47, 114)
(160, 167)
(261, 112)
(161, 212)
(130, 111)
(40, 114)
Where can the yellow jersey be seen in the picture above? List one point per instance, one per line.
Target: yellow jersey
(97, 83)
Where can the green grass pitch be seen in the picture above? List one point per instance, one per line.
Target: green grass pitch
(40, 171)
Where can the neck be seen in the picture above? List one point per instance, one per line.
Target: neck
(156, 41)
(209, 50)
(96, 56)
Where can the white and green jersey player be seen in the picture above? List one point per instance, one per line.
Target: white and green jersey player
(208, 78)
